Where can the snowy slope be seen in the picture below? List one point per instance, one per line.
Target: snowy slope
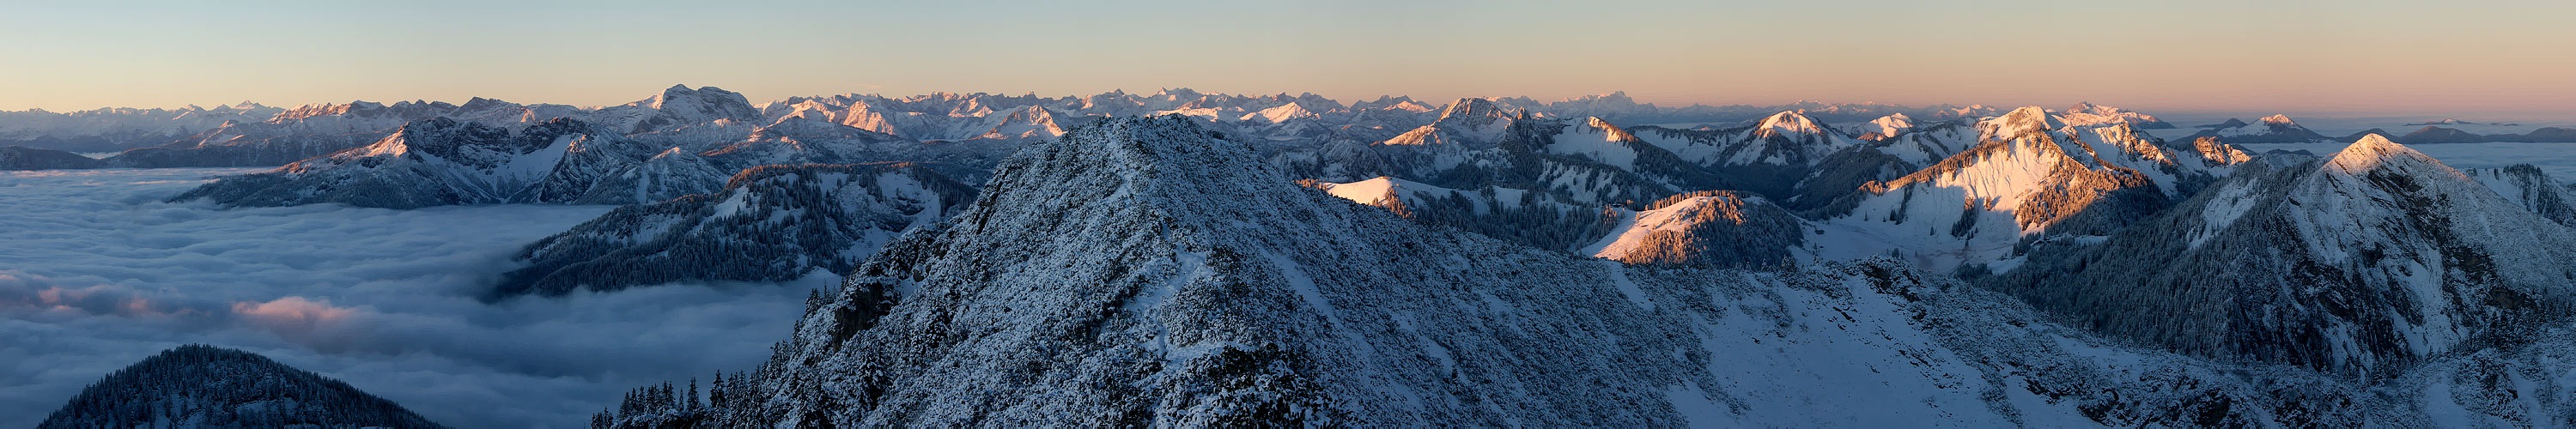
(1787, 138)
(1516, 215)
(2030, 175)
(1707, 228)
(1882, 128)
(428, 163)
(772, 223)
(1476, 144)
(2526, 184)
(1135, 273)
(2364, 263)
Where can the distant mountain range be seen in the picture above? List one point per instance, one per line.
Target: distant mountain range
(1143, 271)
(1188, 259)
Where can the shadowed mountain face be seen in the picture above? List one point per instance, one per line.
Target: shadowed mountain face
(773, 223)
(1708, 228)
(2439, 135)
(2542, 135)
(428, 163)
(2364, 263)
(1135, 272)
(27, 158)
(2270, 129)
(208, 387)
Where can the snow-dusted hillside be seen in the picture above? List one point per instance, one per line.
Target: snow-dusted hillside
(430, 163)
(1707, 228)
(1477, 143)
(772, 223)
(2365, 263)
(2526, 184)
(1784, 139)
(198, 386)
(1135, 273)
(2031, 175)
(1516, 215)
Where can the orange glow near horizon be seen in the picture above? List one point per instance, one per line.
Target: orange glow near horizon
(2301, 57)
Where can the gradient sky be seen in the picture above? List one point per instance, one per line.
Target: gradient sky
(2348, 57)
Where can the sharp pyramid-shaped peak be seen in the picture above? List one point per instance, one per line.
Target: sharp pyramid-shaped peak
(2278, 120)
(2376, 152)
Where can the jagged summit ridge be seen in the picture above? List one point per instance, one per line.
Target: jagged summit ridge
(1143, 252)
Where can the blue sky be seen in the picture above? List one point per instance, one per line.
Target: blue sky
(2293, 56)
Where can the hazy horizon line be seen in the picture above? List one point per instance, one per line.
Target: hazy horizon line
(1647, 99)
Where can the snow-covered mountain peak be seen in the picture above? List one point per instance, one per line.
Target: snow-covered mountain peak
(1788, 123)
(2089, 114)
(1476, 111)
(1393, 103)
(2278, 120)
(2375, 152)
(1283, 113)
(1612, 131)
(1884, 127)
(324, 109)
(1894, 120)
(705, 103)
(2020, 122)
(1148, 155)
(1709, 228)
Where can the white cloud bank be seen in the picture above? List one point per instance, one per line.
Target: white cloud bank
(95, 274)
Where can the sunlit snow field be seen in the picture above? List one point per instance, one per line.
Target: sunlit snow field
(96, 273)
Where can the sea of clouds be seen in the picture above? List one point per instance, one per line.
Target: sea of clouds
(96, 272)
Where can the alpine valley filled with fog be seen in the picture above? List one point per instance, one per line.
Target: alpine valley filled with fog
(1179, 258)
